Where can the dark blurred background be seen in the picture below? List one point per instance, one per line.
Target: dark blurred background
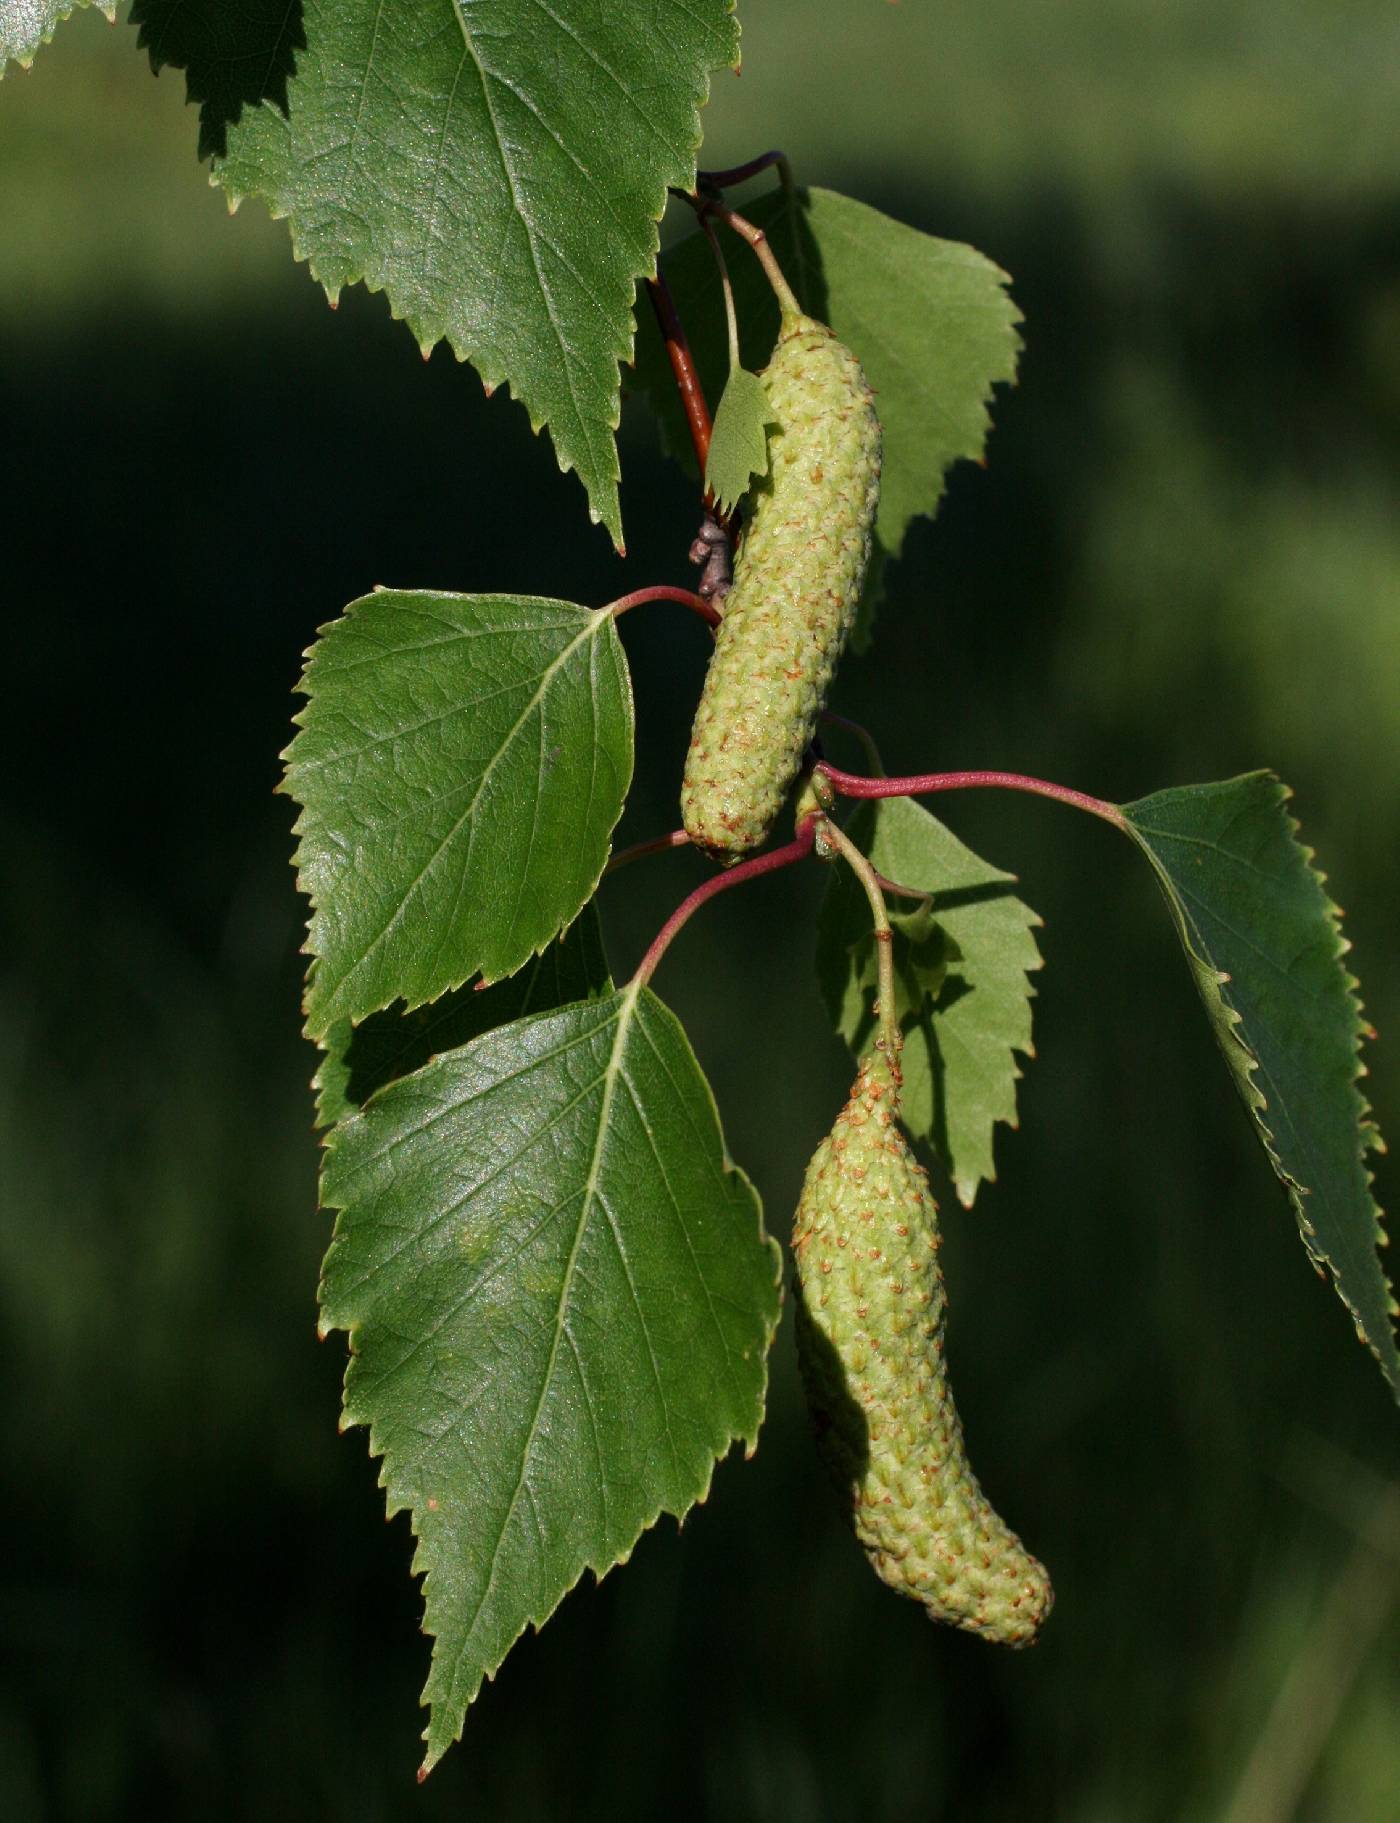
(1183, 560)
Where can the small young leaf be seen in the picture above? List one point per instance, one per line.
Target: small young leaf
(929, 320)
(1265, 947)
(461, 764)
(738, 439)
(362, 1058)
(26, 24)
(559, 1298)
(498, 170)
(961, 968)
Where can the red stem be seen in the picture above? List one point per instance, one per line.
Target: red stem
(664, 591)
(697, 412)
(675, 838)
(738, 174)
(857, 730)
(718, 883)
(893, 886)
(851, 785)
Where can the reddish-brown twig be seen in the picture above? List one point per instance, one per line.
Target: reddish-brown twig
(738, 174)
(664, 591)
(746, 870)
(855, 729)
(697, 412)
(851, 785)
(675, 838)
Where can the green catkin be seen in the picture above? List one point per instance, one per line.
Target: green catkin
(797, 583)
(870, 1325)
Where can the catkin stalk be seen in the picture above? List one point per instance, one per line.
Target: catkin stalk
(797, 582)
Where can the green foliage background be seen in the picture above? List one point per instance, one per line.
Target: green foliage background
(1182, 561)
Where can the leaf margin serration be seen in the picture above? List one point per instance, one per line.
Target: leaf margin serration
(1244, 1064)
(318, 1023)
(630, 998)
(965, 1178)
(56, 11)
(606, 509)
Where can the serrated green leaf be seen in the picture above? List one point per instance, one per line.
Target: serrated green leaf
(26, 24)
(930, 321)
(738, 439)
(461, 764)
(361, 1058)
(559, 1298)
(497, 169)
(1265, 948)
(962, 963)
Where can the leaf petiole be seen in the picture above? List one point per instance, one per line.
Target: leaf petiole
(731, 321)
(768, 863)
(763, 252)
(738, 174)
(858, 731)
(664, 591)
(921, 784)
(674, 838)
(902, 892)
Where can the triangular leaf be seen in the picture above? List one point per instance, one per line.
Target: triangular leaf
(559, 1298)
(362, 1058)
(961, 967)
(461, 764)
(929, 319)
(1265, 948)
(498, 170)
(26, 24)
(738, 439)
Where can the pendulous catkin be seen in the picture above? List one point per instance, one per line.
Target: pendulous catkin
(871, 1312)
(797, 582)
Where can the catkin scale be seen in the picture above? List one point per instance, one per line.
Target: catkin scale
(870, 1327)
(797, 581)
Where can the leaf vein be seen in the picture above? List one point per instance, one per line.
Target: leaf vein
(546, 678)
(590, 1195)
